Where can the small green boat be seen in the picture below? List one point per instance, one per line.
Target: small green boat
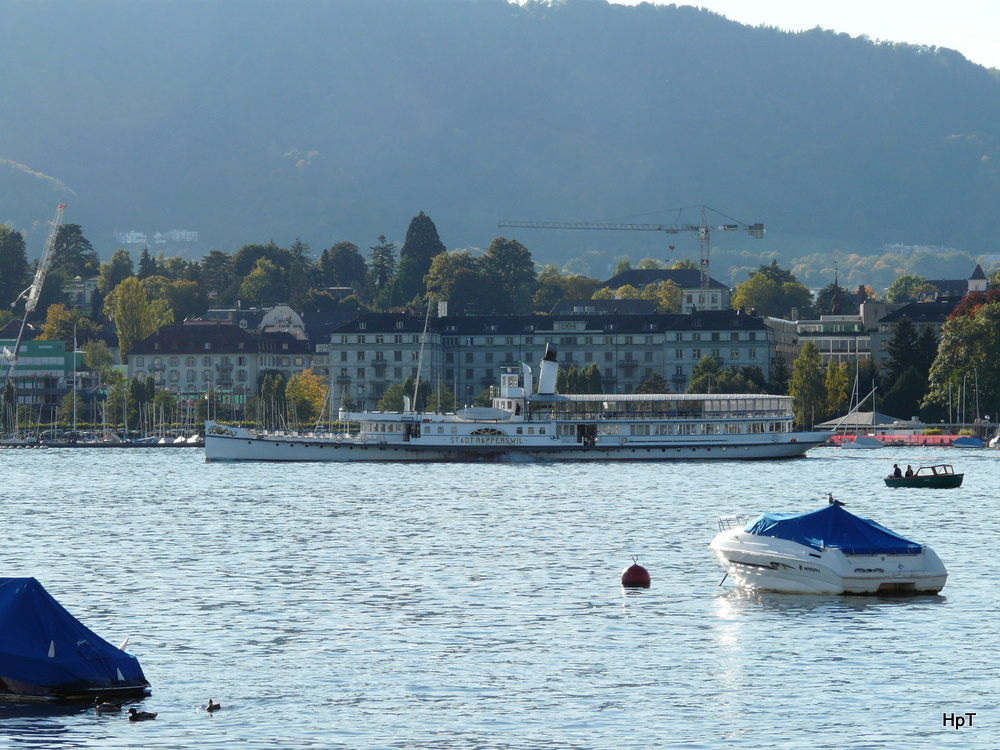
(939, 476)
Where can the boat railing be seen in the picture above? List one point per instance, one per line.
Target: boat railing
(728, 523)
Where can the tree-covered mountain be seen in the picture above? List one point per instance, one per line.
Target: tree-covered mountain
(338, 121)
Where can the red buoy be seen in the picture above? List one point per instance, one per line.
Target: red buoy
(635, 576)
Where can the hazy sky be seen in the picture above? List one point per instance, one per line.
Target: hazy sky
(969, 26)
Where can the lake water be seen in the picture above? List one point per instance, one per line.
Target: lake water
(479, 606)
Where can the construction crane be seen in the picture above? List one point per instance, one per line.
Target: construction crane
(703, 229)
(33, 292)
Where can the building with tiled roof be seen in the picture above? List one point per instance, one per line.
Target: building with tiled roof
(717, 297)
(466, 353)
(977, 282)
(190, 359)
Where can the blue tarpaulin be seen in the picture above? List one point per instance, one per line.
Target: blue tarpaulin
(45, 651)
(833, 527)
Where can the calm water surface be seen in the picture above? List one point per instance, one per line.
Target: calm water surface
(469, 606)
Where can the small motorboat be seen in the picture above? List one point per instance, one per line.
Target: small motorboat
(967, 441)
(863, 442)
(939, 476)
(826, 551)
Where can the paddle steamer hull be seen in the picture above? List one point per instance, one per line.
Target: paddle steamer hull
(224, 443)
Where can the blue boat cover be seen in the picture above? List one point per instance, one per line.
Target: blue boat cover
(45, 651)
(833, 527)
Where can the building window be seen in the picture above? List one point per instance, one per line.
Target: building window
(361, 355)
(753, 354)
(241, 376)
(715, 337)
(734, 353)
(189, 361)
(241, 361)
(174, 376)
(649, 356)
(298, 361)
(192, 376)
(207, 376)
(208, 344)
(206, 361)
(678, 354)
(609, 356)
(734, 336)
(379, 338)
(696, 354)
(173, 361)
(361, 372)
(140, 361)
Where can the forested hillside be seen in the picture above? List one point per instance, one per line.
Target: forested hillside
(339, 121)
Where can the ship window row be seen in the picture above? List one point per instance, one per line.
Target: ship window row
(705, 428)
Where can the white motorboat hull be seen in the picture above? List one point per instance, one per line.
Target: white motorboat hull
(778, 565)
(863, 442)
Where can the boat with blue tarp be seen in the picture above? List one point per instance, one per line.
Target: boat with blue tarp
(826, 551)
(47, 654)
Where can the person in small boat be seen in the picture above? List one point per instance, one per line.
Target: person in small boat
(909, 471)
(896, 471)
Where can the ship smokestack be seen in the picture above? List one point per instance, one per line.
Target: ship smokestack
(547, 372)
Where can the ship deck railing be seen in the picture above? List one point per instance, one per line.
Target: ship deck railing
(737, 521)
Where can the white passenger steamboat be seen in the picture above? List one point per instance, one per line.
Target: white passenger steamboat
(543, 426)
